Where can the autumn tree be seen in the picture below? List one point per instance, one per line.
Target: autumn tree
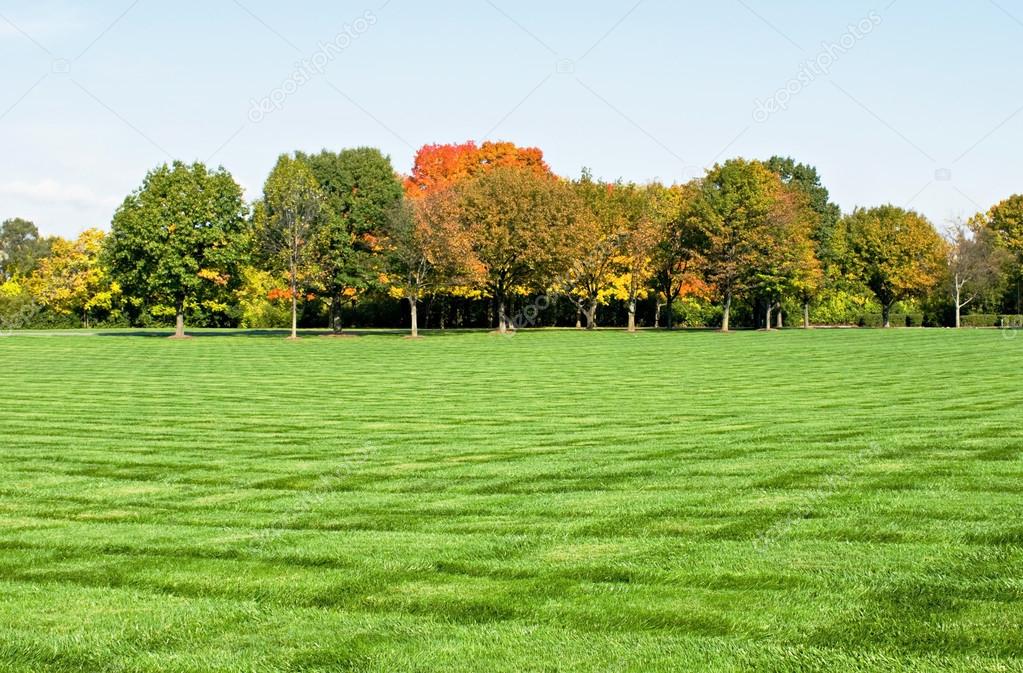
(600, 226)
(178, 237)
(361, 190)
(639, 240)
(287, 221)
(521, 227)
(438, 167)
(789, 264)
(425, 249)
(895, 252)
(71, 280)
(975, 262)
(742, 214)
(805, 179)
(1006, 221)
(678, 252)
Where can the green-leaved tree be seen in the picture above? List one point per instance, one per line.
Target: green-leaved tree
(287, 223)
(177, 238)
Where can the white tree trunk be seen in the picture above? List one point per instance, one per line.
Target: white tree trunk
(294, 297)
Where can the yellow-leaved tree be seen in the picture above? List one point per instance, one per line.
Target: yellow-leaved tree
(896, 252)
(71, 280)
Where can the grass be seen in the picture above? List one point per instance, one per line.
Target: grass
(557, 501)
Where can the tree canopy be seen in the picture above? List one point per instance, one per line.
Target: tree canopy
(486, 234)
(896, 252)
(177, 238)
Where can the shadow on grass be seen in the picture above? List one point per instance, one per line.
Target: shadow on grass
(354, 333)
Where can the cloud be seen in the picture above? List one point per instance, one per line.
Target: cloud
(52, 192)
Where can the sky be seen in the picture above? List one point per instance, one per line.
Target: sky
(911, 102)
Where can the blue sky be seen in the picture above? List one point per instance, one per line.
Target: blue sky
(914, 103)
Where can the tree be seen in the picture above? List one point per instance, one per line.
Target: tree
(424, 249)
(71, 280)
(178, 237)
(678, 252)
(789, 265)
(291, 212)
(258, 299)
(975, 262)
(806, 179)
(743, 216)
(361, 190)
(438, 167)
(600, 227)
(639, 240)
(1006, 221)
(895, 252)
(520, 224)
(21, 247)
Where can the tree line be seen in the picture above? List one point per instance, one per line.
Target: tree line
(487, 235)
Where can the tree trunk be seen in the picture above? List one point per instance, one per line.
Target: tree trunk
(294, 314)
(657, 314)
(179, 321)
(886, 315)
(632, 315)
(726, 316)
(959, 306)
(591, 316)
(335, 315)
(578, 318)
(294, 297)
(806, 315)
(502, 322)
(781, 319)
(415, 317)
(669, 322)
(767, 319)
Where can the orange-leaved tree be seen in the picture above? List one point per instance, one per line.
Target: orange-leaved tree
(438, 167)
(425, 249)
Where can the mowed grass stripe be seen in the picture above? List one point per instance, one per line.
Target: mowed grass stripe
(825, 500)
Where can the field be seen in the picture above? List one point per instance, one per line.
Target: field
(557, 501)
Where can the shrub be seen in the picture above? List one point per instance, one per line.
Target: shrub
(992, 320)
(693, 312)
(914, 319)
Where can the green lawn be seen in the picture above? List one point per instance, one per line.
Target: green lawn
(557, 501)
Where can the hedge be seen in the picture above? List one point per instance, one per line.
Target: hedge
(897, 320)
(992, 320)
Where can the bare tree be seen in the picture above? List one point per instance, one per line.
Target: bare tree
(975, 263)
